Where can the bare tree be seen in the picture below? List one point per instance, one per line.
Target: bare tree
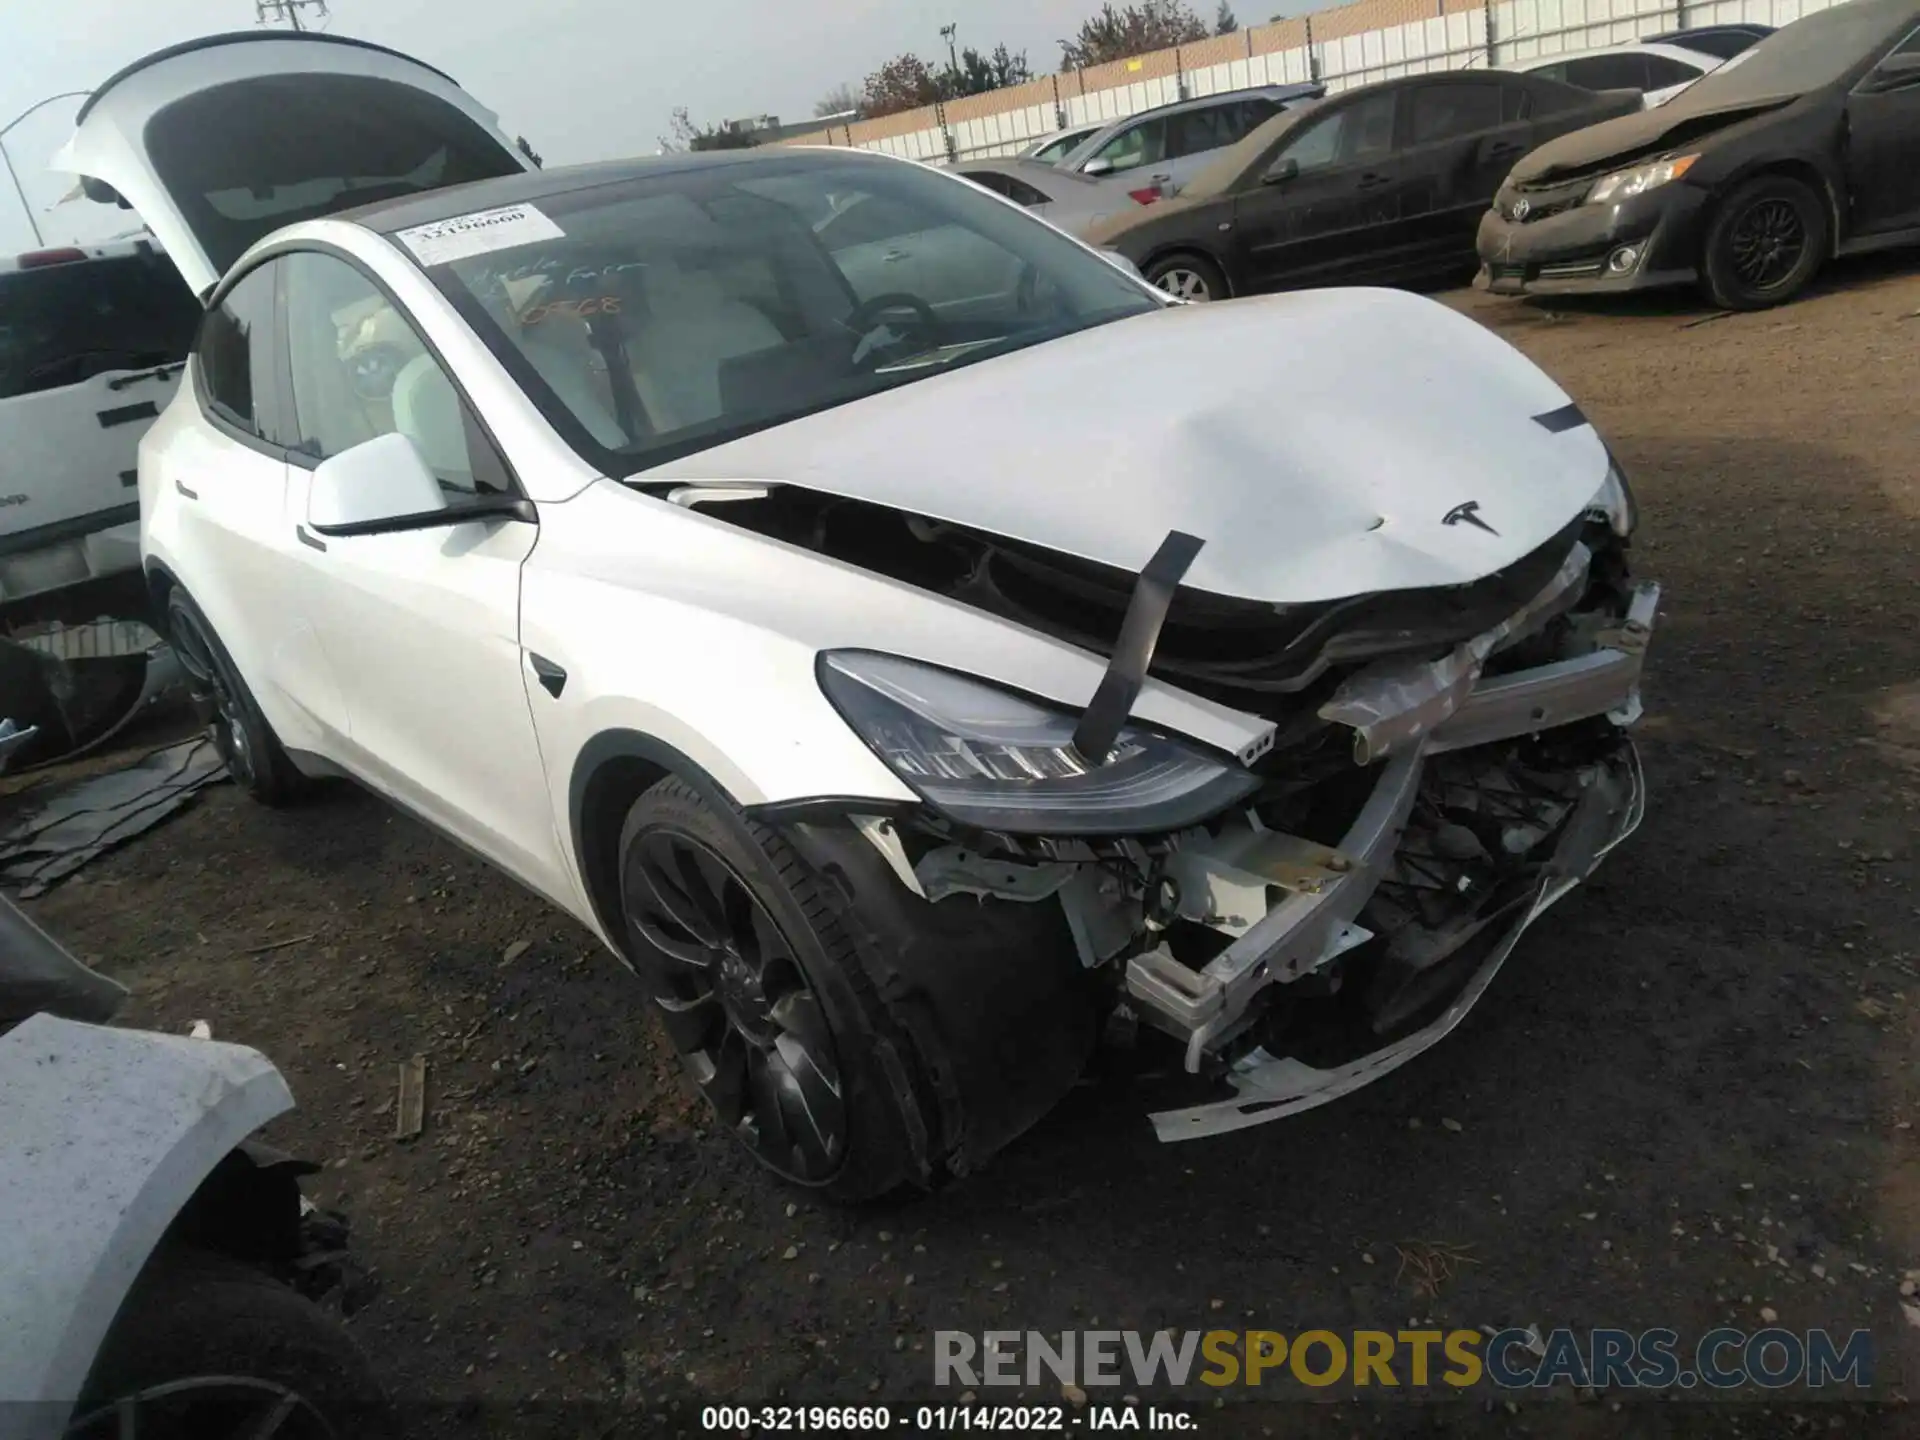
(837, 101)
(1117, 34)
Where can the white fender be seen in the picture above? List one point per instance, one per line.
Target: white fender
(105, 1134)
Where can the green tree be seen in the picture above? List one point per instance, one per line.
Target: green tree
(1225, 22)
(903, 83)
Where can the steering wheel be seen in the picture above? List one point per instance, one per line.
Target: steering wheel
(866, 318)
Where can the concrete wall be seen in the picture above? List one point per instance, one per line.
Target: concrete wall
(1347, 45)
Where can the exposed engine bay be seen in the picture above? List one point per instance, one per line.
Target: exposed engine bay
(1445, 765)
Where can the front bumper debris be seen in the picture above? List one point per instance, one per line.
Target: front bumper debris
(1269, 1087)
(1404, 717)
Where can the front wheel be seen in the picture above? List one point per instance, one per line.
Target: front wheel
(206, 1348)
(1766, 241)
(1189, 277)
(762, 994)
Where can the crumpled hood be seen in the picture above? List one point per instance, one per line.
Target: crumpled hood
(1317, 443)
(1642, 134)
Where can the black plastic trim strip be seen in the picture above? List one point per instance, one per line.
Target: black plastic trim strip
(129, 478)
(75, 529)
(126, 414)
(552, 678)
(1152, 597)
(307, 538)
(814, 808)
(1567, 417)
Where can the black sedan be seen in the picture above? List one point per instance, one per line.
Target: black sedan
(1383, 183)
(1804, 147)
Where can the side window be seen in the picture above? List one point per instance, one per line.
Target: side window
(1354, 133)
(1195, 131)
(1609, 72)
(235, 355)
(1142, 144)
(989, 180)
(1910, 45)
(361, 371)
(1516, 103)
(1254, 114)
(1664, 72)
(1451, 112)
(1022, 193)
(1556, 71)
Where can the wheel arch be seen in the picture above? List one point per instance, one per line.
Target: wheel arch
(1796, 167)
(1174, 249)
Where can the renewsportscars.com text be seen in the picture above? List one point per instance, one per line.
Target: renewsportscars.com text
(1602, 1358)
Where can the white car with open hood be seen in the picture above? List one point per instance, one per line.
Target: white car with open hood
(804, 615)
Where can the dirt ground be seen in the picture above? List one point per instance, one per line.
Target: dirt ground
(1687, 1101)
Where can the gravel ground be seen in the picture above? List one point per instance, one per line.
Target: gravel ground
(1686, 1102)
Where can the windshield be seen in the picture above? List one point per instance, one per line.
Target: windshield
(674, 311)
(1807, 55)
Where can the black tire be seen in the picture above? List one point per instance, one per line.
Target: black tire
(1190, 276)
(197, 1317)
(1766, 241)
(861, 1146)
(255, 758)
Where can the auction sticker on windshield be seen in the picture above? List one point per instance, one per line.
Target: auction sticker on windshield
(480, 233)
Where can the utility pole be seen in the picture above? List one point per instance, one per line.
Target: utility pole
(947, 32)
(275, 11)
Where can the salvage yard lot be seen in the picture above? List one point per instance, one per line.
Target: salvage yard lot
(1687, 1100)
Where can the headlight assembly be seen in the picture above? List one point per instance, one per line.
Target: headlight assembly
(987, 757)
(1615, 501)
(1624, 184)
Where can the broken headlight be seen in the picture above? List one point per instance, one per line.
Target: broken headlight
(1614, 500)
(1625, 184)
(988, 757)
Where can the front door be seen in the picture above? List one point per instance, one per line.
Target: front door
(1333, 204)
(1883, 150)
(422, 626)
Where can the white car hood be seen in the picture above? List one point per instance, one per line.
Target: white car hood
(1318, 444)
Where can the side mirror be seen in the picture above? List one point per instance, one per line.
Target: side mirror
(1281, 171)
(1097, 168)
(1896, 72)
(383, 485)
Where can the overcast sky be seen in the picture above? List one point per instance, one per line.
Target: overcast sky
(581, 79)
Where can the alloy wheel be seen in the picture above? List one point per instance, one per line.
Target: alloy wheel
(737, 1006)
(212, 1407)
(226, 720)
(1184, 284)
(1766, 243)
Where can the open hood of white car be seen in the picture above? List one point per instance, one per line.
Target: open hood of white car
(219, 142)
(1322, 445)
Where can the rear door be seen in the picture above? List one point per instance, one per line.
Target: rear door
(217, 512)
(1883, 153)
(216, 143)
(1336, 212)
(1461, 137)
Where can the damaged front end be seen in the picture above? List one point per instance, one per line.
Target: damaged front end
(1443, 766)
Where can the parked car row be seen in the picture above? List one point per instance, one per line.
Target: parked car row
(1744, 181)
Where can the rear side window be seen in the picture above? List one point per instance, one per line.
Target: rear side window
(1663, 71)
(1195, 131)
(1609, 72)
(1449, 112)
(1142, 144)
(336, 141)
(64, 324)
(236, 353)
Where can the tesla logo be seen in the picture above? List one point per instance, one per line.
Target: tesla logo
(1520, 209)
(1468, 513)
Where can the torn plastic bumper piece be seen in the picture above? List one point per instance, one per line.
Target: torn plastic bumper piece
(1270, 1087)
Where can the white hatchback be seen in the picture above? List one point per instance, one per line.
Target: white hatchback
(834, 629)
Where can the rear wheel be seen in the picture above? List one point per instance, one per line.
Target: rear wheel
(1767, 240)
(206, 1348)
(1189, 277)
(762, 995)
(255, 758)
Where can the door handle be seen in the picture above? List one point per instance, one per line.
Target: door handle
(180, 485)
(1371, 181)
(552, 678)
